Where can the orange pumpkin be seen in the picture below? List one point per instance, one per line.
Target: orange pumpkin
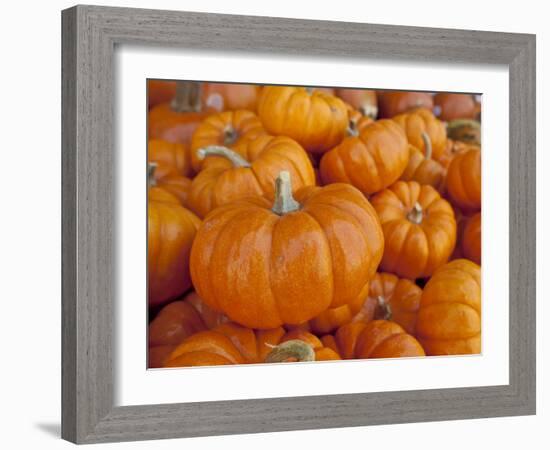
(232, 344)
(265, 264)
(370, 161)
(227, 129)
(169, 153)
(419, 229)
(452, 148)
(176, 121)
(375, 339)
(419, 121)
(449, 318)
(463, 181)
(471, 239)
(160, 91)
(230, 96)
(392, 103)
(464, 130)
(316, 120)
(450, 106)
(234, 177)
(363, 100)
(422, 168)
(163, 177)
(171, 230)
(357, 121)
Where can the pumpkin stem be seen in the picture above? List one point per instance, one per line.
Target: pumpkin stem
(384, 308)
(309, 90)
(465, 130)
(290, 351)
(188, 97)
(427, 145)
(284, 201)
(217, 150)
(415, 215)
(369, 110)
(352, 128)
(151, 167)
(229, 136)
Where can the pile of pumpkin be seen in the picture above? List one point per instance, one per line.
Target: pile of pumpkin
(300, 224)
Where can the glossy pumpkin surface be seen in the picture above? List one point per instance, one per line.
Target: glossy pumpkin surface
(471, 239)
(170, 154)
(463, 181)
(450, 106)
(423, 169)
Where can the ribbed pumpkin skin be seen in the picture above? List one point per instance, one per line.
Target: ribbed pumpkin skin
(316, 120)
(419, 121)
(464, 180)
(423, 170)
(168, 179)
(223, 183)
(371, 161)
(171, 154)
(392, 103)
(171, 230)
(232, 344)
(375, 339)
(452, 148)
(227, 129)
(450, 106)
(264, 270)
(471, 239)
(414, 250)
(449, 318)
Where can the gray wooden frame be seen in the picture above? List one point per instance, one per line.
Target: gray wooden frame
(90, 34)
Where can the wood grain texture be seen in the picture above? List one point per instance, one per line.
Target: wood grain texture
(89, 38)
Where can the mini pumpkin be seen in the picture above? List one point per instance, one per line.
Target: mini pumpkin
(392, 103)
(421, 121)
(463, 182)
(265, 264)
(452, 148)
(449, 318)
(316, 120)
(171, 154)
(233, 176)
(163, 177)
(419, 229)
(370, 161)
(422, 168)
(364, 100)
(171, 229)
(230, 96)
(471, 239)
(450, 106)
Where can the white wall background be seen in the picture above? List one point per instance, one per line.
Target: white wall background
(30, 237)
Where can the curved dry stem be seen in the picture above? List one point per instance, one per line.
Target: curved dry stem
(217, 150)
(427, 145)
(415, 215)
(290, 351)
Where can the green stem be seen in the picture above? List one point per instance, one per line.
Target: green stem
(217, 150)
(294, 350)
(416, 215)
(284, 201)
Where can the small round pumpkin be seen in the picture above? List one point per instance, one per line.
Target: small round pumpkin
(452, 148)
(233, 177)
(463, 182)
(392, 103)
(421, 121)
(316, 120)
(166, 178)
(364, 100)
(172, 154)
(419, 229)
(171, 229)
(265, 264)
(370, 161)
(449, 318)
(422, 168)
(465, 130)
(450, 106)
(230, 96)
(175, 121)
(375, 339)
(471, 239)
(227, 129)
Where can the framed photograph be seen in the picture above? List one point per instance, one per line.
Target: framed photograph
(268, 230)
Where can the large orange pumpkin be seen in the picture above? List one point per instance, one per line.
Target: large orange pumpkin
(463, 181)
(230, 96)
(471, 239)
(370, 161)
(171, 230)
(265, 264)
(392, 103)
(316, 120)
(451, 106)
(375, 339)
(176, 121)
(233, 344)
(227, 129)
(233, 176)
(364, 100)
(422, 168)
(419, 229)
(449, 318)
(421, 121)
(172, 154)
